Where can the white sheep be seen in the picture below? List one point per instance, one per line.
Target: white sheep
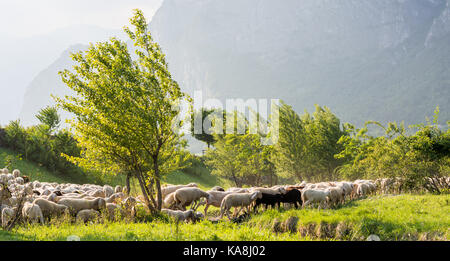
(33, 212)
(172, 188)
(186, 196)
(16, 173)
(77, 204)
(215, 198)
(310, 196)
(113, 209)
(118, 189)
(7, 215)
(238, 200)
(86, 215)
(108, 190)
(169, 200)
(271, 191)
(238, 190)
(50, 208)
(179, 215)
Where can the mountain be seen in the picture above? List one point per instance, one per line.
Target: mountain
(384, 60)
(379, 60)
(23, 58)
(47, 83)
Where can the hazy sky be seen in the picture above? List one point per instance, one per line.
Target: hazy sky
(31, 17)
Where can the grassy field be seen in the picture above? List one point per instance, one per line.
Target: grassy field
(401, 217)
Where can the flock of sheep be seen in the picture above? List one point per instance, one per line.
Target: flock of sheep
(39, 201)
(323, 194)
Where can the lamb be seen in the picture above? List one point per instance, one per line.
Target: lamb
(33, 212)
(215, 199)
(238, 200)
(169, 189)
(185, 196)
(50, 208)
(77, 204)
(86, 215)
(179, 215)
(314, 196)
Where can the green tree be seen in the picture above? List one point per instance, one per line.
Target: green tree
(200, 117)
(241, 158)
(124, 117)
(307, 144)
(49, 117)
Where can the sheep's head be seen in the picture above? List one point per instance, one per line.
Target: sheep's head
(256, 195)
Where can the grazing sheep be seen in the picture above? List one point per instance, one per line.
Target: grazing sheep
(169, 189)
(310, 196)
(238, 200)
(86, 215)
(215, 198)
(32, 212)
(112, 209)
(50, 208)
(7, 215)
(77, 204)
(186, 196)
(179, 215)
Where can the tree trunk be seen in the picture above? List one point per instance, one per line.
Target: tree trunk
(158, 184)
(144, 192)
(127, 183)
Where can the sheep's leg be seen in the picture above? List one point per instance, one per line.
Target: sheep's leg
(206, 208)
(240, 209)
(228, 214)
